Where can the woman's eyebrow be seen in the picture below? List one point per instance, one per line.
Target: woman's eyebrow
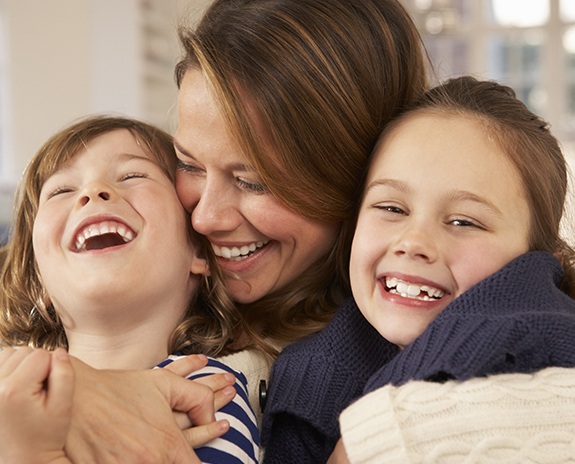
(234, 166)
(182, 150)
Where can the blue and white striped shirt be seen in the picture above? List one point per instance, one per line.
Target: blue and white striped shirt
(240, 444)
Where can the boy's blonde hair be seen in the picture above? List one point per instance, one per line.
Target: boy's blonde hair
(26, 314)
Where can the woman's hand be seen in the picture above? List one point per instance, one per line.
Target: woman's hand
(126, 416)
(339, 456)
(35, 405)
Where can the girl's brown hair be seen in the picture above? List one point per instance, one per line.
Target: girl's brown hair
(526, 139)
(26, 315)
(316, 80)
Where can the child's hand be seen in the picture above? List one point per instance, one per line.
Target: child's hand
(36, 389)
(339, 456)
(224, 392)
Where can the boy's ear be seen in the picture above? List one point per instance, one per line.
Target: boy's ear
(199, 266)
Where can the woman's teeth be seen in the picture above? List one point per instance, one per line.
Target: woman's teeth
(237, 253)
(409, 290)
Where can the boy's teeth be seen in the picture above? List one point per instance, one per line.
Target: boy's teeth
(103, 228)
(410, 290)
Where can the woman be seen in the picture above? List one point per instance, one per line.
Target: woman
(279, 107)
(280, 104)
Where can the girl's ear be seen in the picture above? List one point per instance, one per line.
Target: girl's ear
(199, 266)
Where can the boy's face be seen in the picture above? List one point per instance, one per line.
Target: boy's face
(110, 228)
(443, 209)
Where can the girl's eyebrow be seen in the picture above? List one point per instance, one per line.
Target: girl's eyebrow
(133, 156)
(464, 195)
(454, 195)
(395, 184)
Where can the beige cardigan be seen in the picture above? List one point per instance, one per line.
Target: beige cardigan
(508, 418)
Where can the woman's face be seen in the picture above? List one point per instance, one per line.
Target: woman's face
(261, 242)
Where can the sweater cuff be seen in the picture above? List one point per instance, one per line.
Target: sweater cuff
(370, 429)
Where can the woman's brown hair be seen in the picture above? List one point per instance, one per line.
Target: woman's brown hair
(315, 80)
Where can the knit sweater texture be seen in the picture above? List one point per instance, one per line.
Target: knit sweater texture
(312, 381)
(517, 320)
(505, 418)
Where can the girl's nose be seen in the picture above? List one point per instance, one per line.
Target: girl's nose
(417, 243)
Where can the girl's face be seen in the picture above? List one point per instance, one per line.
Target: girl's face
(260, 241)
(443, 209)
(110, 228)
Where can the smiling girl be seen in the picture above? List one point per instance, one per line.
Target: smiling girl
(456, 260)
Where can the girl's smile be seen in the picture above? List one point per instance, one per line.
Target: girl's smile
(443, 208)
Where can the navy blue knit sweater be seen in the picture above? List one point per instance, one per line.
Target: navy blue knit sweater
(517, 320)
(312, 381)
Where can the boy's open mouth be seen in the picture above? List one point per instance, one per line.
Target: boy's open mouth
(102, 235)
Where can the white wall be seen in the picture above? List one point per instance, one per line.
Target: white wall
(64, 59)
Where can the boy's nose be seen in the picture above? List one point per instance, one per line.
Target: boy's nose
(93, 193)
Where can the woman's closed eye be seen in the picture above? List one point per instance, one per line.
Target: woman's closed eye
(254, 187)
(189, 168)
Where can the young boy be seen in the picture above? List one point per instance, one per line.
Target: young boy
(101, 261)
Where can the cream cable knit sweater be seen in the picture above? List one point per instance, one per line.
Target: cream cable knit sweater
(508, 418)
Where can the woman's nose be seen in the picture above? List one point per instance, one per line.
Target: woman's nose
(216, 211)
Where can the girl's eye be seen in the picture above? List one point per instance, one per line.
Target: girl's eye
(391, 209)
(185, 167)
(465, 223)
(58, 191)
(254, 187)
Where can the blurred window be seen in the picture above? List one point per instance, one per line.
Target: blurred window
(527, 44)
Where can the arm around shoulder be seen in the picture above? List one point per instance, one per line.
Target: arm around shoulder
(517, 414)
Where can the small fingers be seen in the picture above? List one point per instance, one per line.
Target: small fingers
(202, 434)
(10, 358)
(217, 381)
(224, 396)
(186, 365)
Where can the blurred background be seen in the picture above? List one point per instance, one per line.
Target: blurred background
(63, 59)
